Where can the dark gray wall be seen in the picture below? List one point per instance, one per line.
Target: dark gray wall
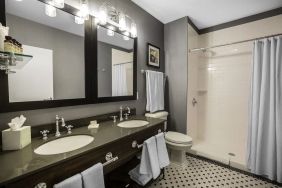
(68, 50)
(176, 66)
(104, 76)
(149, 30)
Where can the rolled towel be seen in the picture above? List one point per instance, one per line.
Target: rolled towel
(93, 177)
(141, 179)
(149, 160)
(72, 182)
(162, 150)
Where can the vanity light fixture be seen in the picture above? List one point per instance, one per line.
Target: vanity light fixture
(59, 3)
(78, 20)
(108, 15)
(50, 10)
(19, 0)
(126, 34)
(103, 15)
(110, 31)
(133, 30)
(122, 22)
(84, 10)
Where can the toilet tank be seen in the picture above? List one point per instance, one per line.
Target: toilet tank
(160, 115)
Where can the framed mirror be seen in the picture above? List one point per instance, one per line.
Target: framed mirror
(116, 66)
(58, 46)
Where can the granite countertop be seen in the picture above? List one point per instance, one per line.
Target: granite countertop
(15, 164)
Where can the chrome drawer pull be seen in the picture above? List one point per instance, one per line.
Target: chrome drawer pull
(41, 185)
(135, 145)
(109, 159)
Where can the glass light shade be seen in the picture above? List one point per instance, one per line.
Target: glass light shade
(133, 30)
(110, 31)
(103, 15)
(83, 15)
(50, 11)
(122, 22)
(84, 10)
(126, 34)
(59, 3)
(78, 20)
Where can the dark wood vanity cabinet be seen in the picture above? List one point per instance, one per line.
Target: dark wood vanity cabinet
(58, 172)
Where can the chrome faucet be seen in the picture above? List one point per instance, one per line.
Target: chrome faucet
(58, 120)
(120, 114)
(128, 110)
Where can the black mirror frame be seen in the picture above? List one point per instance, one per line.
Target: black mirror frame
(6, 106)
(118, 98)
(91, 80)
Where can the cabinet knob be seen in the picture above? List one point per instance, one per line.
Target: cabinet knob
(41, 185)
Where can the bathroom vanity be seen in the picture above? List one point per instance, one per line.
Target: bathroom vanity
(25, 168)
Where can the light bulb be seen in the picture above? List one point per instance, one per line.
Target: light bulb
(84, 10)
(122, 22)
(126, 34)
(59, 3)
(103, 16)
(133, 30)
(50, 10)
(78, 20)
(110, 31)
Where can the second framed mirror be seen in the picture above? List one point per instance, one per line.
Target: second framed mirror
(116, 66)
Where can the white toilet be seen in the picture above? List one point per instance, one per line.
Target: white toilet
(177, 143)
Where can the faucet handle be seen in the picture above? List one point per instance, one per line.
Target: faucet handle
(114, 118)
(126, 116)
(69, 127)
(44, 134)
(128, 110)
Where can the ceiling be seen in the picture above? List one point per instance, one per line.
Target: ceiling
(206, 13)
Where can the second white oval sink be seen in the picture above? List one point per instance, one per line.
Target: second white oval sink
(133, 124)
(64, 144)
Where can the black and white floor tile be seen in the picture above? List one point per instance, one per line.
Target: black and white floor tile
(204, 174)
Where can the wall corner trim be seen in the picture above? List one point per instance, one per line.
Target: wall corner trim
(252, 18)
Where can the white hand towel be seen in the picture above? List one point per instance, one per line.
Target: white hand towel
(141, 179)
(72, 182)
(162, 150)
(154, 91)
(93, 177)
(149, 160)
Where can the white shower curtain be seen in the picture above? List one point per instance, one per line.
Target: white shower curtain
(119, 82)
(265, 125)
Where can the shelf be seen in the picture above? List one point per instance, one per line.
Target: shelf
(13, 60)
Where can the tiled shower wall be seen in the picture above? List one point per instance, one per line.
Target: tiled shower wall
(220, 81)
(224, 87)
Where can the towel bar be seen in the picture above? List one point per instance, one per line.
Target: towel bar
(109, 159)
(138, 146)
(144, 71)
(135, 145)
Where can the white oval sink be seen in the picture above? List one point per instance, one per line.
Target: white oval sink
(64, 144)
(133, 124)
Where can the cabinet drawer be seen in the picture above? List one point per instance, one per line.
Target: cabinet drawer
(63, 170)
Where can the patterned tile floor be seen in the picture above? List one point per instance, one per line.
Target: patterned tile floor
(202, 174)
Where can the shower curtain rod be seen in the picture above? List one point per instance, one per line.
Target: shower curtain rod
(228, 44)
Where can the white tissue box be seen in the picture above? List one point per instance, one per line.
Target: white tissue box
(15, 140)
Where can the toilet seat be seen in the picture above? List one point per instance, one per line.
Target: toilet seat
(178, 139)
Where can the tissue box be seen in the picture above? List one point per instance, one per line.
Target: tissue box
(15, 140)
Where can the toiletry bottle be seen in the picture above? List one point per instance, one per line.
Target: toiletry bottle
(14, 45)
(8, 44)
